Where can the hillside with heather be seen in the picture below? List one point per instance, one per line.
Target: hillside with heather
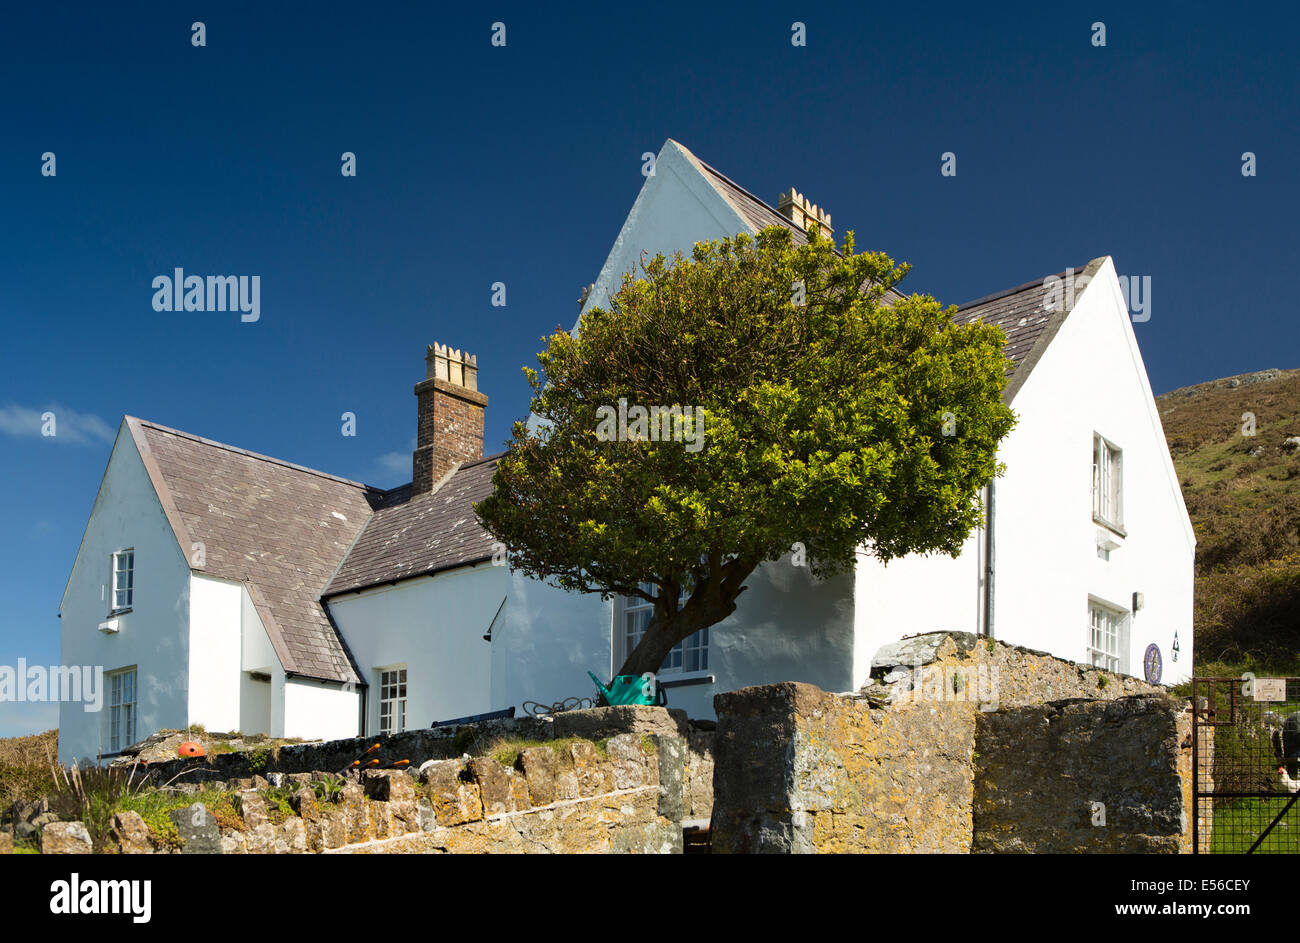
(1243, 494)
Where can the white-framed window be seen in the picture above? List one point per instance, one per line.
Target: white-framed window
(392, 699)
(1107, 637)
(1107, 482)
(123, 579)
(121, 709)
(690, 654)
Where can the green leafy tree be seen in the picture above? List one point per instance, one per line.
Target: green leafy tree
(827, 410)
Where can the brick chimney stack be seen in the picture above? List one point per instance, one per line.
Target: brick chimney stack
(450, 417)
(803, 212)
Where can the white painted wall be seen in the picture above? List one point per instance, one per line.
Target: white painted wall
(154, 636)
(319, 710)
(215, 653)
(545, 641)
(435, 626)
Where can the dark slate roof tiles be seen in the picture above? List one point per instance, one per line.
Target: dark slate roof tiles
(425, 534)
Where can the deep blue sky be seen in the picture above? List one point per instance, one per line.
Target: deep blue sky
(518, 164)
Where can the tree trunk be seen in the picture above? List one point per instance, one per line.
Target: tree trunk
(709, 604)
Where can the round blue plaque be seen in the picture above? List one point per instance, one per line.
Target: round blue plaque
(1152, 663)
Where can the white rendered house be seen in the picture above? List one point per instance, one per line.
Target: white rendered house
(242, 592)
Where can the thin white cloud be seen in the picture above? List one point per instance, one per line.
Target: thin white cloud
(391, 467)
(394, 463)
(70, 427)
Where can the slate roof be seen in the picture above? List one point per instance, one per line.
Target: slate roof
(1022, 314)
(277, 527)
(415, 536)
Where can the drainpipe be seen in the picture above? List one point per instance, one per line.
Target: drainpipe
(988, 561)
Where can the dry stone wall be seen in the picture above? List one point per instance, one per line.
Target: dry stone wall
(1084, 776)
(570, 797)
(799, 770)
(956, 744)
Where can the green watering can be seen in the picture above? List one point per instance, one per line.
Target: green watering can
(631, 689)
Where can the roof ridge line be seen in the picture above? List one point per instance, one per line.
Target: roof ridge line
(1019, 288)
(257, 455)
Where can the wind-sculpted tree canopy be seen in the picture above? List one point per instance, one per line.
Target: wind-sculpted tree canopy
(812, 410)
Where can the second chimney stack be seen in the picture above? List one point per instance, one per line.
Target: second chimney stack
(450, 409)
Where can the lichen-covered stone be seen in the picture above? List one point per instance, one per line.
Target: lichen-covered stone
(493, 784)
(986, 674)
(520, 797)
(65, 838)
(669, 771)
(800, 770)
(356, 817)
(454, 800)
(386, 785)
(329, 830)
(291, 837)
(627, 760)
(260, 839)
(566, 784)
(698, 774)
(540, 769)
(593, 776)
(253, 808)
(131, 834)
(600, 722)
(381, 819)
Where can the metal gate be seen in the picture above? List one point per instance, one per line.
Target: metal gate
(1246, 765)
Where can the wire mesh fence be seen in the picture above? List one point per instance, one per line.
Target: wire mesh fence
(1246, 765)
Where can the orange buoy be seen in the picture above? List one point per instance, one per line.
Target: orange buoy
(190, 748)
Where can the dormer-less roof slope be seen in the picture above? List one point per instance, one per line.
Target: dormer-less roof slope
(422, 535)
(279, 528)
